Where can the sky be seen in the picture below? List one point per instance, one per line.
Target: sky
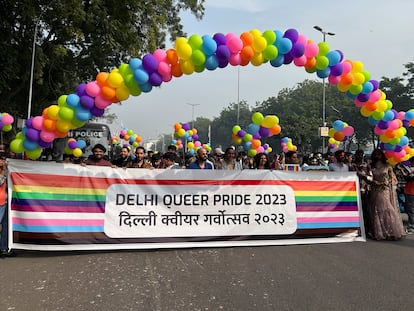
(378, 33)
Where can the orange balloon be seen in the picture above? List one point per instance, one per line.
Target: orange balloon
(108, 92)
(371, 106)
(256, 143)
(347, 79)
(60, 134)
(176, 70)
(247, 38)
(310, 63)
(339, 136)
(275, 130)
(49, 125)
(102, 79)
(172, 56)
(247, 53)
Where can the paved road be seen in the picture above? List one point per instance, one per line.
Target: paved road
(344, 276)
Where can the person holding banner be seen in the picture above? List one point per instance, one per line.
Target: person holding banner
(97, 158)
(4, 217)
(229, 160)
(201, 161)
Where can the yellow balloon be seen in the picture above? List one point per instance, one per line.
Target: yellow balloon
(77, 152)
(270, 121)
(115, 79)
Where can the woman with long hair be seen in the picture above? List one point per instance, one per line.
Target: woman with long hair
(386, 221)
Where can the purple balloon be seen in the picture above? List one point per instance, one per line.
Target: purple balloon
(257, 135)
(375, 84)
(223, 63)
(155, 79)
(288, 58)
(149, 63)
(33, 135)
(97, 112)
(298, 49)
(185, 126)
(363, 97)
(264, 132)
(223, 52)
(395, 113)
(87, 102)
(28, 123)
(383, 125)
(292, 35)
(44, 144)
(80, 89)
(241, 133)
(72, 144)
(398, 148)
(406, 123)
(195, 136)
(220, 39)
(337, 69)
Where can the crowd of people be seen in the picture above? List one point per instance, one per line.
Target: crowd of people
(385, 191)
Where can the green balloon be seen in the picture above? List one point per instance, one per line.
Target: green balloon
(34, 154)
(17, 145)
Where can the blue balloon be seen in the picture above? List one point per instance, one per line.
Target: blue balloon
(211, 62)
(253, 128)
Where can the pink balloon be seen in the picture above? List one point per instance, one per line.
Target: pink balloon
(93, 89)
(302, 39)
(393, 125)
(334, 80)
(300, 61)
(160, 55)
(37, 123)
(101, 102)
(164, 68)
(235, 59)
(260, 149)
(348, 130)
(379, 131)
(347, 67)
(311, 50)
(234, 43)
(401, 115)
(7, 119)
(375, 96)
(167, 77)
(47, 136)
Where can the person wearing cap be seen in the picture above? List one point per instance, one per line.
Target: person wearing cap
(97, 157)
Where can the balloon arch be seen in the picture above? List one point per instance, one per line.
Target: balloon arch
(198, 53)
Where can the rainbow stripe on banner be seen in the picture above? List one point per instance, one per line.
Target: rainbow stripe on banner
(62, 206)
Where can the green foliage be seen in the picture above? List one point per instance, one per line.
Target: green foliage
(75, 40)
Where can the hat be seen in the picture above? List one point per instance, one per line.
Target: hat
(99, 146)
(219, 151)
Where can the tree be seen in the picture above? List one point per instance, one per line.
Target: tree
(76, 39)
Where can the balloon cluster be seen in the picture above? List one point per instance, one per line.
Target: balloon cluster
(192, 147)
(126, 138)
(261, 127)
(75, 147)
(6, 122)
(287, 145)
(340, 131)
(184, 131)
(197, 53)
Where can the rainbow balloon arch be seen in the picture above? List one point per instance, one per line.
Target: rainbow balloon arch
(198, 53)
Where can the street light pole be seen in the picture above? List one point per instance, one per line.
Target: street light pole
(324, 33)
(192, 113)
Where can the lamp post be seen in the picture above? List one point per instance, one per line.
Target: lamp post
(324, 33)
(38, 20)
(238, 95)
(192, 113)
